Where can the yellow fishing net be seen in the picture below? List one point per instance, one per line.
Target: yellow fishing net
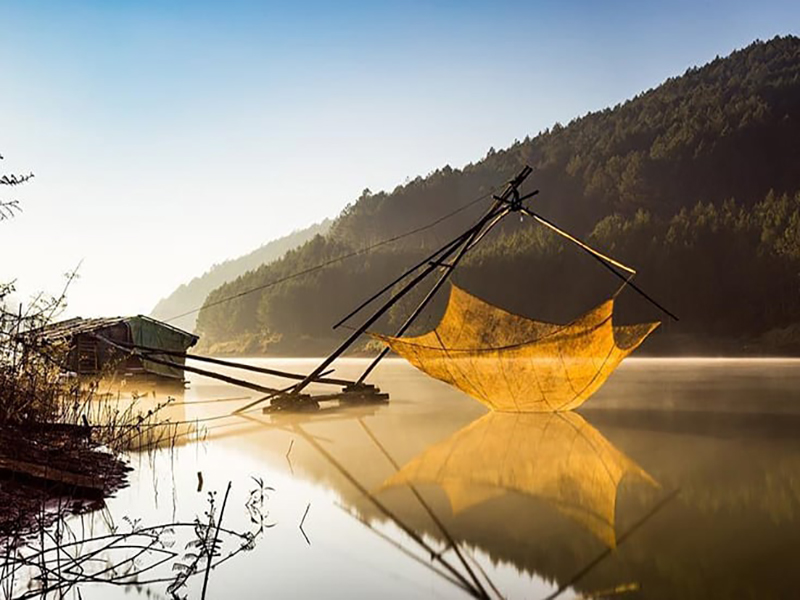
(515, 364)
(559, 458)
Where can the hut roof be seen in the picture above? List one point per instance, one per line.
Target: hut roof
(64, 330)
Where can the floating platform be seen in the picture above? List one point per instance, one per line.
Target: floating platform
(351, 395)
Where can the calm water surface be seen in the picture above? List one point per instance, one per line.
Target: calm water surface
(679, 479)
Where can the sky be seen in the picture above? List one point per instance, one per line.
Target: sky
(166, 137)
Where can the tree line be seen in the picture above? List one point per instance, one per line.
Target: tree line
(694, 182)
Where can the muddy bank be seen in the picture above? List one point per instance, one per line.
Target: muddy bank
(49, 469)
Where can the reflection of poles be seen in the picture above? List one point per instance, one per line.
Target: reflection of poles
(451, 542)
(607, 552)
(477, 592)
(402, 548)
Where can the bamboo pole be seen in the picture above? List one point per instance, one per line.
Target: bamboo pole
(499, 209)
(391, 284)
(608, 262)
(383, 309)
(234, 365)
(468, 244)
(211, 374)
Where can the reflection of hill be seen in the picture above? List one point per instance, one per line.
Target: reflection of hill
(732, 531)
(739, 465)
(559, 458)
(728, 534)
(697, 422)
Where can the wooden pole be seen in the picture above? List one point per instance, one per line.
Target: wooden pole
(511, 189)
(388, 286)
(607, 262)
(386, 306)
(501, 208)
(233, 365)
(232, 380)
(498, 207)
(448, 270)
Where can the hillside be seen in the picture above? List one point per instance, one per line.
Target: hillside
(189, 296)
(696, 183)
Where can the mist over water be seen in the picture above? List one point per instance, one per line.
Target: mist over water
(678, 479)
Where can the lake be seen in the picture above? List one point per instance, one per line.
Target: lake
(680, 478)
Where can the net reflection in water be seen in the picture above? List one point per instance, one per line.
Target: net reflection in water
(559, 458)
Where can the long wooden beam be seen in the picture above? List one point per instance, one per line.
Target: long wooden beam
(499, 210)
(431, 257)
(467, 245)
(211, 374)
(387, 305)
(234, 365)
(51, 474)
(608, 262)
(498, 207)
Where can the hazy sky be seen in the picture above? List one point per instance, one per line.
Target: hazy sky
(167, 136)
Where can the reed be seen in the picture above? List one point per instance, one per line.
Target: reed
(68, 553)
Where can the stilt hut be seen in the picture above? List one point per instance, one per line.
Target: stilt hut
(98, 346)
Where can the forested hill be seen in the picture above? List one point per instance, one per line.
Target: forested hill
(696, 183)
(191, 295)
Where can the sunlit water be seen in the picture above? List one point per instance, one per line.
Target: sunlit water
(679, 479)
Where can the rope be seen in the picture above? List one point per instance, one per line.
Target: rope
(334, 261)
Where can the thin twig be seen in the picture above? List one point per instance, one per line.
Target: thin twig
(214, 542)
(303, 520)
(289, 451)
